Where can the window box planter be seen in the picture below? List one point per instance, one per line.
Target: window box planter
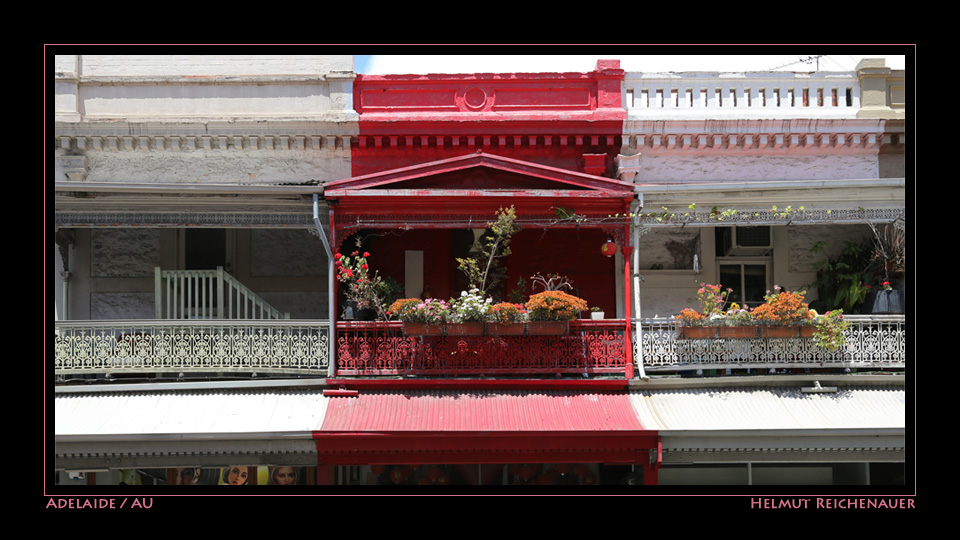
(737, 332)
(807, 331)
(697, 332)
(548, 328)
(506, 329)
(469, 328)
(422, 329)
(780, 331)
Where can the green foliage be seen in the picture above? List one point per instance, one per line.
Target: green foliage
(483, 269)
(519, 294)
(389, 291)
(842, 282)
(830, 330)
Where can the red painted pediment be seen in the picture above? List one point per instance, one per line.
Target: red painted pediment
(479, 173)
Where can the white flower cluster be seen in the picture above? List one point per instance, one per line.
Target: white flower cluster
(471, 307)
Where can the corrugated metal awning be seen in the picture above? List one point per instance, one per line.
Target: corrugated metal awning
(493, 426)
(776, 423)
(170, 428)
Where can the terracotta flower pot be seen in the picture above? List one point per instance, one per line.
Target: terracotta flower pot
(807, 331)
(738, 332)
(698, 332)
(506, 329)
(781, 331)
(422, 329)
(548, 328)
(469, 328)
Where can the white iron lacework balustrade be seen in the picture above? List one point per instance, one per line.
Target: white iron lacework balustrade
(264, 346)
(872, 341)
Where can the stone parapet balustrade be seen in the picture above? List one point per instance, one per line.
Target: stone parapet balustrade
(741, 95)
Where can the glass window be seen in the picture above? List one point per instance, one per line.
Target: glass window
(747, 279)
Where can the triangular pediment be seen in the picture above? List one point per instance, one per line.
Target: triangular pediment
(479, 172)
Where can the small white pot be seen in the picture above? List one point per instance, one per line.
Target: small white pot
(596, 314)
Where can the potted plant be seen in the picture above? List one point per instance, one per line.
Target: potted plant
(841, 281)
(425, 318)
(883, 299)
(550, 311)
(694, 325)
(483, 269)
(887, 262)
(782, 314)
(596, 313)
(704, 323)
(738, 323)
(398, 307)
(830, 328)
(468, 314)
(389, 291)
(362, 288)
(507, 319)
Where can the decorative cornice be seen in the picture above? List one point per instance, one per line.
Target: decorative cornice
(189, 143)
(485, 142)
(761, 143)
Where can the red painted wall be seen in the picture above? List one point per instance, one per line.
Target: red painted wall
(547, 118)
(553, 119)
(571, 253)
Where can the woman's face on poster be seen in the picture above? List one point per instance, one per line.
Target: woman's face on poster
(285, 476)
(237, 476)
(187, 476)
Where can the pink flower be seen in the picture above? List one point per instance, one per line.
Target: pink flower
(366, 253)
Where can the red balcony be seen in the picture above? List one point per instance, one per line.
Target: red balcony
(382, 348)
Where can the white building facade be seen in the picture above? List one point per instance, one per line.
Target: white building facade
(189, 204)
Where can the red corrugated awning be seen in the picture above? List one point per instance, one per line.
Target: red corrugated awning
(487, 426)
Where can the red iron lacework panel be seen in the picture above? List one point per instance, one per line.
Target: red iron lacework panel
(381, 348)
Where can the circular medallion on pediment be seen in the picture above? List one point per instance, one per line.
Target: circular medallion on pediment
(474, 98)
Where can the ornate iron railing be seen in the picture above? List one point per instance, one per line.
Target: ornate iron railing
(151, 346)
(873, 341)
(381, 348)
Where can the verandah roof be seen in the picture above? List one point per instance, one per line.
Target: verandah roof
(471, 188)
(497, 426)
